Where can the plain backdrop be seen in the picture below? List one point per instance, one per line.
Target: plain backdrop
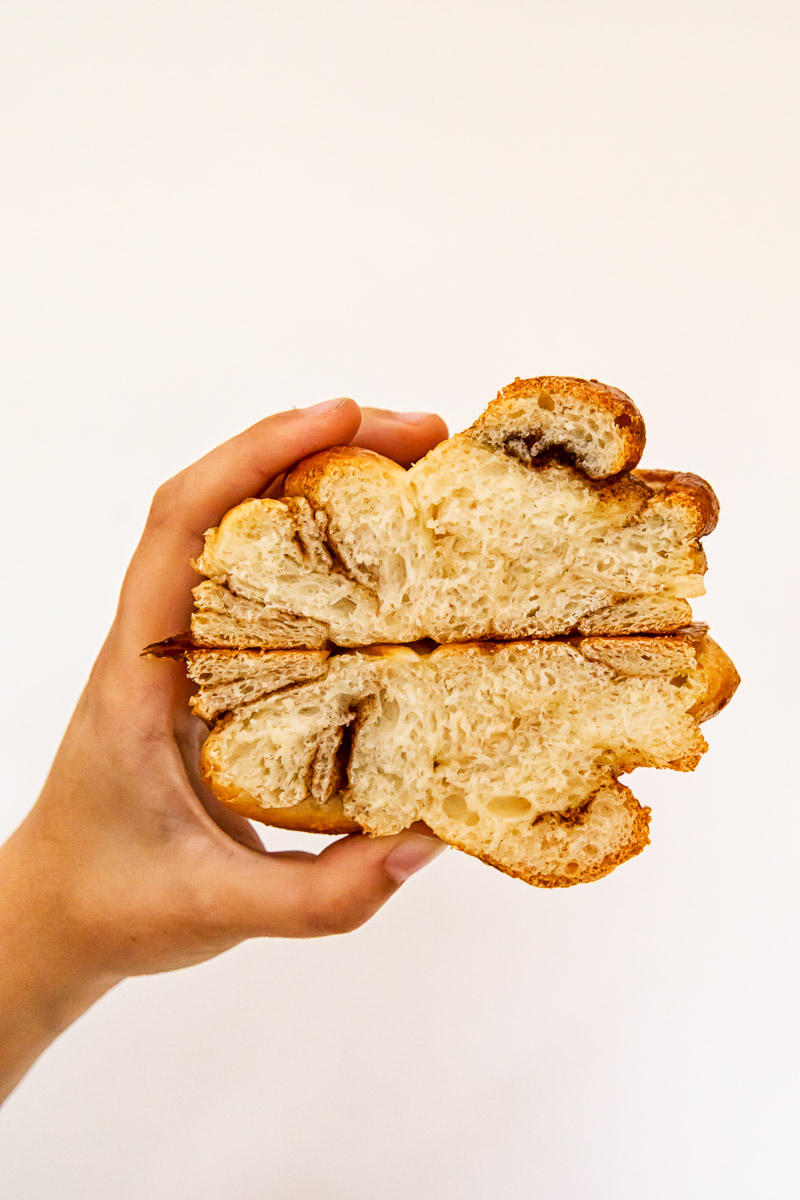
(212, 211)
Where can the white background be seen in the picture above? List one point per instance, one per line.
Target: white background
(215, 210)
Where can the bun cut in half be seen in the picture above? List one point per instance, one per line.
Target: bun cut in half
(510, 751)
(531, 523)
(484, 643)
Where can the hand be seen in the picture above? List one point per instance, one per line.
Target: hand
(127, 864)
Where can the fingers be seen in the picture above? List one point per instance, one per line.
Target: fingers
(156, 598)
(156, 595)
(189, 741)
(334, 892)
(405, 437)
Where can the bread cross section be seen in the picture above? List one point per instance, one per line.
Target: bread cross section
(484, 642)
(510, 751)
(531, 523)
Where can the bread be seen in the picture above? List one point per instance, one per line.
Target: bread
(531, 523)
(510, 751)
(371, 650)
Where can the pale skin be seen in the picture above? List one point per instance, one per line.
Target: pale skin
(127, 865)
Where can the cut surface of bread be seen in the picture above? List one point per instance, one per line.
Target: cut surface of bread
(510, 751)
(531, 523)
(484, 642)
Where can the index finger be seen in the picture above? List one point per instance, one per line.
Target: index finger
(156, 599)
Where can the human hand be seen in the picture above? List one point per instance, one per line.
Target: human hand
(127, 864)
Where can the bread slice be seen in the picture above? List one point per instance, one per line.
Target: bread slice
(509, 751)
(229, 679)
(531, 523)
(332, 707)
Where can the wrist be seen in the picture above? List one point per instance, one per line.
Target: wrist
(46, 979)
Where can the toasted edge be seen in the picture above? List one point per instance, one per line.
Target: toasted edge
(638, 838)
(691, 491)
(722, 679)
(588, 395)
(305, 817)
(311, 474)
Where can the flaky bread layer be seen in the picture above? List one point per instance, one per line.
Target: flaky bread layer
(510, 752)
(531, 523)
(595, 427)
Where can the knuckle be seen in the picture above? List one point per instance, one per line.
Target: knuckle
(332, 911)
(166, 499)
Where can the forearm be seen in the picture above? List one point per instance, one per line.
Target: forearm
(127, 865)
(44, 984)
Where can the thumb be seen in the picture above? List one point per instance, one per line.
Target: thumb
(333, 892)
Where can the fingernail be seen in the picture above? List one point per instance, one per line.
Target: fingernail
(411, 855)
(326, 406)
(412, 418)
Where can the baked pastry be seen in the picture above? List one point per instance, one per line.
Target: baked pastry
(511, 751)
(533, 524)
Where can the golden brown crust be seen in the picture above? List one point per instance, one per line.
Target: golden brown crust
(323, 517)
(330, 824)
(638, 838)
(331, 821)
(602, 434)
(722, 679)
(681, 653)
(588, 395)
(310, 475)
(589, 392)
(306, 817)
(690, 491)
